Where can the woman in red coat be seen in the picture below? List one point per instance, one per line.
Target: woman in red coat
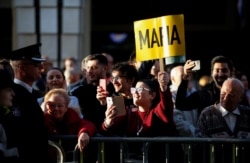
(152, 117)
(61, 120)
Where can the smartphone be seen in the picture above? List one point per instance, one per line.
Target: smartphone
(197, 65)
(103, 84)
(109, 101)
(119, 103)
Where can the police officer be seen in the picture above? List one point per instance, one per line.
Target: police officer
(31, 134)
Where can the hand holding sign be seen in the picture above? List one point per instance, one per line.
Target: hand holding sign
(163, 79)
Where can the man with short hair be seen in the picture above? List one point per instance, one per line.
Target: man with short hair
(40, 84)
(221, 69)
(227, 119)
(31, 135)
(96, 66)
(70, 62)
(110, 59)
(185, 121)
(72, 77)
(211, 122)
(123, 76)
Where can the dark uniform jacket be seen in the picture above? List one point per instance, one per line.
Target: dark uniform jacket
(31, 134)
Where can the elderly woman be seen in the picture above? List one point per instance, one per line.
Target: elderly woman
(55, 79)
(62, 120)
(152, 117)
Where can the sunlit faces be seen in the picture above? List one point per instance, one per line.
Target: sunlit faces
(95, 70)
(120, 82)
(231, 94)
(138, 90)
(32, 70)
(6, 96)
(55, 79)
(70, 63)
(220, 72)
(56, 106)
(142, 94)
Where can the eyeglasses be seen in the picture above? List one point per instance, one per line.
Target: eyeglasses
(138, 90)
(116, 78)
(54, 105)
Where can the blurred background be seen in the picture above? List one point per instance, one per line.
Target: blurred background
(81, 27)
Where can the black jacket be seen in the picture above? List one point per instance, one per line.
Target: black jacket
(31, 134)
(91, 107)
(196, 100)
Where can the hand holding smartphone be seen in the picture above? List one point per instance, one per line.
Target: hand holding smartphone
(118, 101)
(103, 84)
(109, 101)
(197, 65)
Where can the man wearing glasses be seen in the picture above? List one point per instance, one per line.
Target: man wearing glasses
(30, 131)
(122, 77)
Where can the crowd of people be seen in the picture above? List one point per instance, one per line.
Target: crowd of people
(39, 100)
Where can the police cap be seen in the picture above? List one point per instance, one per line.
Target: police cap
(31, 52)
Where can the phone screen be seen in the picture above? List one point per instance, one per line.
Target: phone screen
(197, 65)
(109, 101)
(103, 83)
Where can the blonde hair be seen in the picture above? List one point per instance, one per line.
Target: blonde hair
(57, 91)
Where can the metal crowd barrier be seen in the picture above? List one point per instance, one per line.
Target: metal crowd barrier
(186, 143)
(59, 151)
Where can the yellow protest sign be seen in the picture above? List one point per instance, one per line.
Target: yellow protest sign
(161, 37)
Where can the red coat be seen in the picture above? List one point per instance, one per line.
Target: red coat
(71, 124)
(157, 122)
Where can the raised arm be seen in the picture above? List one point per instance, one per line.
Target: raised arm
(164, 109)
